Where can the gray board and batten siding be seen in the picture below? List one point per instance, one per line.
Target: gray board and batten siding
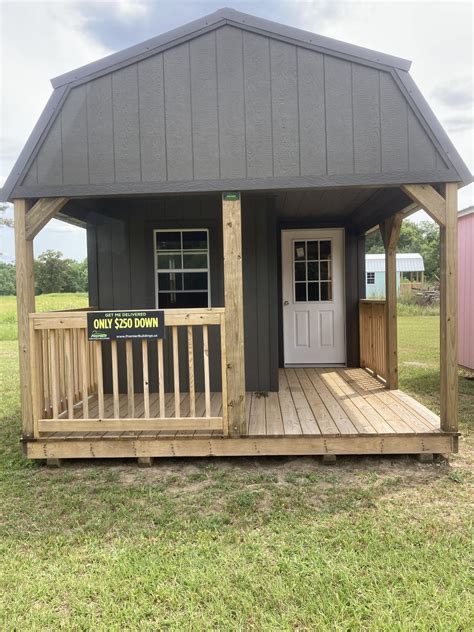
(234, 102)
(121, 276)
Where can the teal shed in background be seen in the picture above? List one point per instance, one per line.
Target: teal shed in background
(410, 266)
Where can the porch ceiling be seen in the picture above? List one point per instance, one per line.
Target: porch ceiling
(357, 208)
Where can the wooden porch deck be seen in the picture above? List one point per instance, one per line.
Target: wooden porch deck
(316, 411)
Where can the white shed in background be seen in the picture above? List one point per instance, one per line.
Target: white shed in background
(410, 266)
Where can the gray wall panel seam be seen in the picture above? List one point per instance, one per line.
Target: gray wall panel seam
(245, 104)
(87, 137)
(139, 126)
(113, 124)
(217, 107)
(380, 123)
(271, 102)
(408, 133)
(164, 115)
(191, 109)
(298, 108)
(352, 119)
(61, 144)
(325, 115)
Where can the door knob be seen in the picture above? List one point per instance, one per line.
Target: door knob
(286, 302)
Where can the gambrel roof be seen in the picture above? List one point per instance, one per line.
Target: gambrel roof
(232, 101)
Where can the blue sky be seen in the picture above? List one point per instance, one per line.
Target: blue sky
(42, 39)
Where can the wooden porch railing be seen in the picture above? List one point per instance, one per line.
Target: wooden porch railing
(68, 376)
(372, 324)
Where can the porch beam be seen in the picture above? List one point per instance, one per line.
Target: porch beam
(234, 312)
(40, 214)
(25, 298)
(449, 313)
(429, 199)
(390, 231)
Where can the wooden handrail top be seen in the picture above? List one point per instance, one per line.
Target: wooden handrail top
(173, 317)
(372, 301)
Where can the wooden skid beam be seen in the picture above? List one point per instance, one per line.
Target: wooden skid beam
(130, 425)
(40, 214)
(429, 199)
(234, 313)
(191, 447)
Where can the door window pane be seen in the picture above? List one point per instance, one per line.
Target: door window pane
(313, 291)
(300, 271)
(313, 249)
(313, 271)
(326, 291)
(325, 270)
(300, 292)
(324, 249)
(300, 250)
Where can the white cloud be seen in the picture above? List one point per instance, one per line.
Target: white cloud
(132, 8)
(437, 36)
(38, 41)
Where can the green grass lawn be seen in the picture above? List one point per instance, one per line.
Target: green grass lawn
(239, 544)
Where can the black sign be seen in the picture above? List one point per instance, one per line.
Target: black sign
(126, 325)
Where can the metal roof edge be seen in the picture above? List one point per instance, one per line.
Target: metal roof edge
(450, 152)
(41, 127)
(233, 18)
(466, 211)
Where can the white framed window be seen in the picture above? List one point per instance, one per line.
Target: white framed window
(370, 278)
(182, 276)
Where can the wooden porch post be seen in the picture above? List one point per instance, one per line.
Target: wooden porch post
(444, 210)
(449, 313)
(25, 298)
(390, 230)
(234, 312)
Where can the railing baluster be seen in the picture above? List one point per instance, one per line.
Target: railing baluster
(54, 372)
(192, 390)
(100, 378)
(177, 396)
(130, 384)
(161, 378)
(207, 384)
(85, 374)
(46, 374)
(146, 386)
(69, 375)
(115, 382)
(225, 417)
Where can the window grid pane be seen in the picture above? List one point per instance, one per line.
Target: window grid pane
(312, 270)
(182, 268)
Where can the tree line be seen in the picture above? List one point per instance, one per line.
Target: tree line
(422, 237)
(53, 274)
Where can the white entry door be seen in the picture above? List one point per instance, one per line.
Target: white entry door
(313, 297)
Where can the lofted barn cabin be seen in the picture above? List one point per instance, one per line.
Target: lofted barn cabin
(226, 173)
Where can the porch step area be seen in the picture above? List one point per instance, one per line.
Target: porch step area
(311, 402)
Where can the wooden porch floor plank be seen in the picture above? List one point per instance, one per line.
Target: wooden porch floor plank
(257, 425)
(363, 410)
(273, 415)
(371, 395)
(308, 422)
(342, 421)
(413, 406)
(291, 422)
(323, 418)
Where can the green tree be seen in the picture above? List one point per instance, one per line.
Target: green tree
(55, 274)
(7, 279)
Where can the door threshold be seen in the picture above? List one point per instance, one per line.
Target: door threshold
(315, 366)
